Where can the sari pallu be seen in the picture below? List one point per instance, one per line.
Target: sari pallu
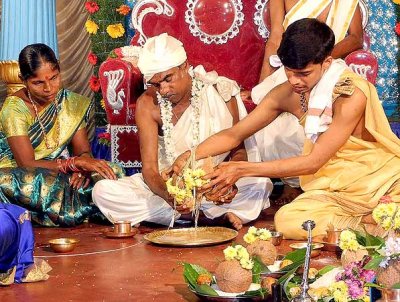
(47, 194)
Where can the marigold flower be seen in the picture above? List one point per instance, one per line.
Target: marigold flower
(91, 6)
(396, 1)
(123, 9)
(94, 83)
(115, 30)
(92, 58)
(91, 27)
(397, 28)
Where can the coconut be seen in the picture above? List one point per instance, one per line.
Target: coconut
(231, 277)
(352, 256)
(265, 250)
(389, 275)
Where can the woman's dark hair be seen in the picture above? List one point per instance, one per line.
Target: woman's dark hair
(33, 56)
(306, 41)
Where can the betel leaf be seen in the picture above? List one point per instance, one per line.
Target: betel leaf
(374, 262)
(373, 240)
(296, 255)
(205, 289)
(190, 274)
(326, 269)
(258, 268)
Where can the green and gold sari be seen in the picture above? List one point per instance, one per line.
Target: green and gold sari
(47, 194)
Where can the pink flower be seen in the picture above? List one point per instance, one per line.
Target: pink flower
(94, 83)
(386, 199)
(92, 58)
(91, 6)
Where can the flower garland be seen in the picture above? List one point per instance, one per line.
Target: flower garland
(166, 117)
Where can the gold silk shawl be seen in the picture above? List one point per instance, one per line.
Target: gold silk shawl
(339, 18)
(16, 120)
(361, 172)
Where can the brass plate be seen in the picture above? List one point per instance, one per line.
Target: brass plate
(203, 236)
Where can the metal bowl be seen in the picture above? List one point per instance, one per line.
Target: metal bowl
(63, 245)
(316, 247)
(276, 238)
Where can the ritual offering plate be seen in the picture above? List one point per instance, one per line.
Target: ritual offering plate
(202, 236)
(250, 295)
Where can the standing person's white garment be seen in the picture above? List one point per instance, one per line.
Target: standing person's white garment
(131, 199)
(284, 137)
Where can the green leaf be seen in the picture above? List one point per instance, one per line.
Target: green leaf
(374, 262)
(190, 274)
(373, 240)
(369, 284)
(396, 286)
(205, 289)
(296, 255)
(326, 269)
(255, 293)
(256, 270)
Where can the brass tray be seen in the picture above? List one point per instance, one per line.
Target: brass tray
(203, 236)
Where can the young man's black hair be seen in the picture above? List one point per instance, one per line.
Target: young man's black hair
(306, 41)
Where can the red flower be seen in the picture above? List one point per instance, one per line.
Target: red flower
(386, 199)
(91, 6)
(118, 52)
(104, 135)
(92, 58)
(397, 29)
(94, 83)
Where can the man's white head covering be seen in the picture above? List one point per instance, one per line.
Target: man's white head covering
(159, 54)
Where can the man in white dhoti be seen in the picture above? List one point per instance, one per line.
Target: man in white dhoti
(284, 137)
(182, 107)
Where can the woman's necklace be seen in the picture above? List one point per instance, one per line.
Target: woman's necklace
(46, 140)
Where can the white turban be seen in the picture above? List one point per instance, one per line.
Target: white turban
(159, 54)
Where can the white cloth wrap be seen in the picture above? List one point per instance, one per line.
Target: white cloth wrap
(159, 54)
(131, 199)
(321, 99)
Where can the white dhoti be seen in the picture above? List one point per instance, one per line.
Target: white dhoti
(132, 200)
(284, 137)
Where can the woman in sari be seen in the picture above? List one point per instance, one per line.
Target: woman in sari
(45, 159)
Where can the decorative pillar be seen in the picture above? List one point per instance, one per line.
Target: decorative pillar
(24, 22)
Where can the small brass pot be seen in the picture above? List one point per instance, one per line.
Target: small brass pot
(63, 245)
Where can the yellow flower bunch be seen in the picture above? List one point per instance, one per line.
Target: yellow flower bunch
(339, 291)
(91, 27)
(254, 234)
(348, 241)
(396, 1)
(318, 293)
(115, 30)
(387, 215)
(183, 190)
(240, 253)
